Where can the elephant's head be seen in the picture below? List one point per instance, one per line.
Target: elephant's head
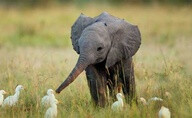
(103, 38)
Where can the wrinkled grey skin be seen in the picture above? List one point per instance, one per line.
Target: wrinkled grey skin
(106, 45)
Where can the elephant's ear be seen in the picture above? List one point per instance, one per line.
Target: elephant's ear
(126, 41)
(76, 30)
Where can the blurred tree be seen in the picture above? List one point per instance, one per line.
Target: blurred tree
(39, 2)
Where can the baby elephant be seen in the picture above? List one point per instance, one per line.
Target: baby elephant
(105, 45)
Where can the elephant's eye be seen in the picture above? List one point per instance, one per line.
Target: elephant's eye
(99, 48)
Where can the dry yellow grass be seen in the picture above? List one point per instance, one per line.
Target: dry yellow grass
(35, 51)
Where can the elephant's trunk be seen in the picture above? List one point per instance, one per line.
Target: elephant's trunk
(80, 66)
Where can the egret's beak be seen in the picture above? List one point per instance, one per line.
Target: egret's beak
(122, 96)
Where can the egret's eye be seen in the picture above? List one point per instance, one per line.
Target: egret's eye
(99, 48)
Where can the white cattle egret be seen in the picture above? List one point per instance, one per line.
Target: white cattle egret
(12, 100)
(164, 113)
(167, 94)
(155, 99)
(2, 92)
(151, 99)
(52, 111)
(46, 100)
(143, 101)
(118, 105)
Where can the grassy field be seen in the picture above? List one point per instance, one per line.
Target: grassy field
(35, 51)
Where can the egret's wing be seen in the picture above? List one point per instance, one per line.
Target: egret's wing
(114, 106)
(1, 99)
(44, 100)
(8, 101)
(48, 113)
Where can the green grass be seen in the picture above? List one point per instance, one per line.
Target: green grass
(35, 51)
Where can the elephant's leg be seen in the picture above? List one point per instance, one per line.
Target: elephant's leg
(112, 81)
(91, 75)
(128, 80)
(97, 84)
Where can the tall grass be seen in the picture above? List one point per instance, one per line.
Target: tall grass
(35, 51)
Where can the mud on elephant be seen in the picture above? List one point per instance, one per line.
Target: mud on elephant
(106, 45)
